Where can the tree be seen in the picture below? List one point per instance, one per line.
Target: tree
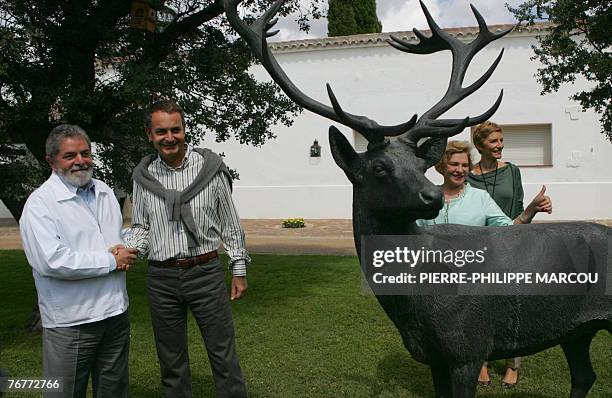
(365, 16)
(350, 17)
(578, 44)
(80, 62)
(341, 18)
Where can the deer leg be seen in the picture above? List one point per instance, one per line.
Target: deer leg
(441, 380)
(463, 379)
(579, 361)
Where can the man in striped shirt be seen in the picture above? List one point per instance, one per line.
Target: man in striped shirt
(182, 210)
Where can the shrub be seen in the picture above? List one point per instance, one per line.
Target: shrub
(294, 223)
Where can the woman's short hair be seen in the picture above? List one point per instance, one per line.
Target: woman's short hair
(452, 148)
(482, 131)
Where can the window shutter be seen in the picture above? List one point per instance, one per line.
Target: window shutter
(528, 145)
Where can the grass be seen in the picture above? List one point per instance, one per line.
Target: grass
(304, 330)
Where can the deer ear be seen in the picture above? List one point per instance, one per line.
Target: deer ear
(432, 150)
(344, 154)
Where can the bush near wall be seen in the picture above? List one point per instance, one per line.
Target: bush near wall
(294, 223)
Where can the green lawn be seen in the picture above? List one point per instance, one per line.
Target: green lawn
(304, 330)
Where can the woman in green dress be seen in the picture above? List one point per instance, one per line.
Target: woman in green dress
(502, 180)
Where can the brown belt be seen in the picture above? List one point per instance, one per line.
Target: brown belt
(184, 262)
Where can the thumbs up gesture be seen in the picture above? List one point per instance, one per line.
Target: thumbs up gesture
(541, 202)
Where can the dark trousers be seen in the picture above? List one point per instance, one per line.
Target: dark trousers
(202, 289)
(97, 348)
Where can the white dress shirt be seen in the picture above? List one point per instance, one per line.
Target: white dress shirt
(66, 243)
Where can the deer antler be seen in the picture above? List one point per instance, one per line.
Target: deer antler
(428, 125)
(256, 36)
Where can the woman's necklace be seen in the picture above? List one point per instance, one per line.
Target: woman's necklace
(446, 212)
(447, 203)
(485, 180)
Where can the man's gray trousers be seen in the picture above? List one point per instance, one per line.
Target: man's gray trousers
(202, 289)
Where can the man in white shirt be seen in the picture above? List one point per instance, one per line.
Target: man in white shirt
(67, 226)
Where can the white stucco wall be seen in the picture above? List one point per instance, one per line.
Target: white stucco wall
(277, 181)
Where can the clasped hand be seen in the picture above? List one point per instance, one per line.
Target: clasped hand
(124, 256)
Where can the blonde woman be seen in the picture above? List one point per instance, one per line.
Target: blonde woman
(501, 180)
(467, 205)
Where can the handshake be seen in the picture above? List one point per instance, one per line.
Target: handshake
(124, 256)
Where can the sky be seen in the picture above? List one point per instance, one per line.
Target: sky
(402, 15)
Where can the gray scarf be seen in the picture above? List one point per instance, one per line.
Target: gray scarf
(177, 203)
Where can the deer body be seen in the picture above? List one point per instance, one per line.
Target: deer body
(454, 335)
(452, 330)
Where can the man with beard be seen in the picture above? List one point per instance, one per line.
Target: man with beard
(183, 209)
(67, 227)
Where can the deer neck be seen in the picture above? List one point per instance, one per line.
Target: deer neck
(369, 222)
(365, 222)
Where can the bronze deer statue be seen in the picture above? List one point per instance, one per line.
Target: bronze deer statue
(453, 334)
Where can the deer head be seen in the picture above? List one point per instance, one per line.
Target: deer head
(388, 180)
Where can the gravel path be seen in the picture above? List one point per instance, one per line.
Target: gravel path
(264, 236)
(323, 236)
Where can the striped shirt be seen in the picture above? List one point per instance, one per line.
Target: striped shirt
(215, 215)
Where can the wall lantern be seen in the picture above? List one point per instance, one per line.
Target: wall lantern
(315, 150)
(315, 153)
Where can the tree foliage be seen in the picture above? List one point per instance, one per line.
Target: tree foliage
(341, 18)
(80, 62)
(350, 17)
(365, 16)
(578, 45)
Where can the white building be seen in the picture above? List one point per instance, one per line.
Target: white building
(553, 141)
